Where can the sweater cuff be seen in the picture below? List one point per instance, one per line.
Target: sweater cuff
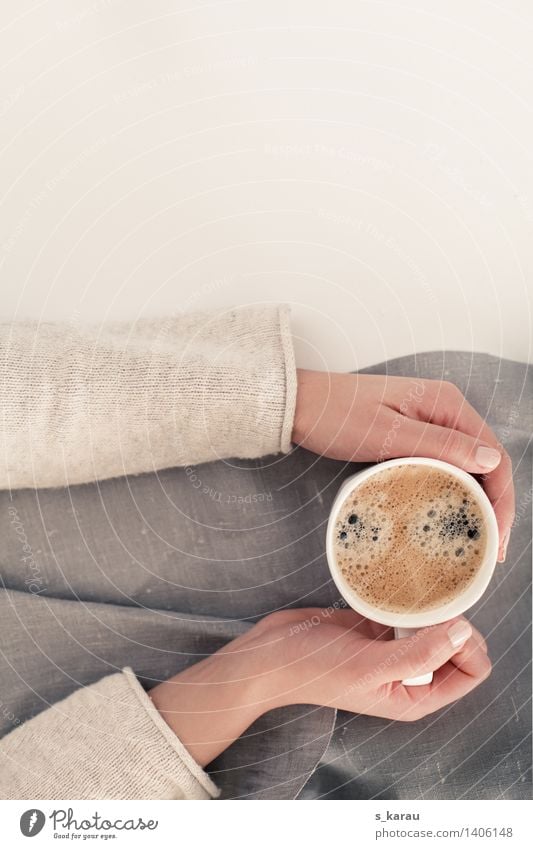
(196, 784)
(291, 384)
(104, 741)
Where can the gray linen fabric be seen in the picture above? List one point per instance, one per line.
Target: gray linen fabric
(156, 571)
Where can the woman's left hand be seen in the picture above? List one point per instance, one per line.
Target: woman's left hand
(331, 657)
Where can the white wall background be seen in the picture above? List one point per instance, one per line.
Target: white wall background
(368, 162)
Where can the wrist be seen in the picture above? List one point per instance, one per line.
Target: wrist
(214, 701)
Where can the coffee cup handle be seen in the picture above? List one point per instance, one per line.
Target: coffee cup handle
(399, 633)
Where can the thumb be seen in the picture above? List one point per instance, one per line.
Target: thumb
(420, 439)
(423, 651)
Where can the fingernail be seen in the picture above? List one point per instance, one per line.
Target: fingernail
(459, 633)
(505, 543)
(487, 458)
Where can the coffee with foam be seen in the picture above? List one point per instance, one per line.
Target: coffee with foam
(410, 539)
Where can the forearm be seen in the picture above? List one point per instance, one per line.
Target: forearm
(90, 402)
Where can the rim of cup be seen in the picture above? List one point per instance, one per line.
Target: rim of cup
(457, 605)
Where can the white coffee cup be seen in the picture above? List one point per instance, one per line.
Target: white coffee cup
(406, 624)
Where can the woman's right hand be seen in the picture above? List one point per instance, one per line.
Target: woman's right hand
(314, 656)
(371, 417)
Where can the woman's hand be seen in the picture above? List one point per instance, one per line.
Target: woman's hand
(319, 657)
(367, 418)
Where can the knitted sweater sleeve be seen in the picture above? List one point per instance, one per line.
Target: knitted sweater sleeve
(82, 403)
(105, 741)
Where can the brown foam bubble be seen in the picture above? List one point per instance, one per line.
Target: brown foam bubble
(410, 538)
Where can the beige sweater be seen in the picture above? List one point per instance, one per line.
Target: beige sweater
(82, 403)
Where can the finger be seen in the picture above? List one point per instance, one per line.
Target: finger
(499, 487)
(451, 408)
(472, 658)
(344, 618)
(377, 631)
(449, 684)
(500, 490)
(422, 652)
(352, 621)
(498, 484)
(422, 439)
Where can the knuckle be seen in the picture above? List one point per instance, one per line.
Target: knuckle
(271, 620)
(452, 389)
(452, 441)
(449, 393)
(420, 659)
(277, 617)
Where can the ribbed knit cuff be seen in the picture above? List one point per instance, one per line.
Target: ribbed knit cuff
(291, 383)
